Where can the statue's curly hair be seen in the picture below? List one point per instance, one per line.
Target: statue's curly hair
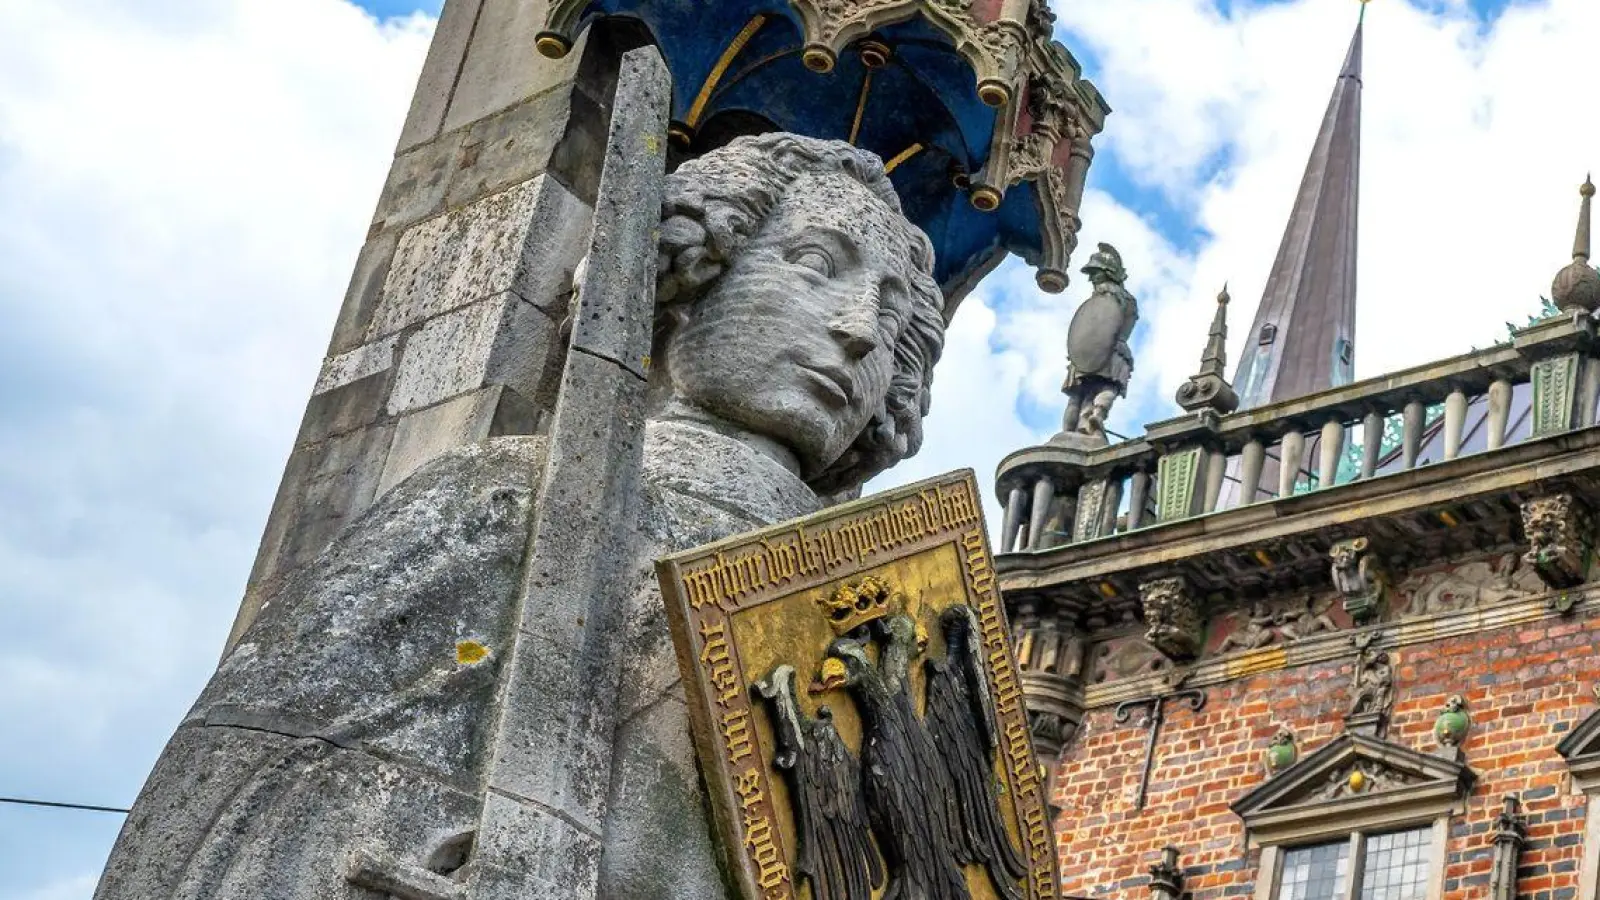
(715, 203)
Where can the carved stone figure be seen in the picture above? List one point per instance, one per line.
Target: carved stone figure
(346, 734)
(1560, 533)
(1259, 630)
(1358, 575)
(1371, 691)
(1172, 618)
(1363, 777)
(1100, 357)
(1310, 618)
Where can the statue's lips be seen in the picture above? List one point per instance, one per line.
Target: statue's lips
(835, 383)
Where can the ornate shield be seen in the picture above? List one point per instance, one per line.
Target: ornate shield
(877, 619)
(1092, 337)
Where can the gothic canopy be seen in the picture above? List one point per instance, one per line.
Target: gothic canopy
(983, 121)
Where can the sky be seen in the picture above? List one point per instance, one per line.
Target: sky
(184, 185)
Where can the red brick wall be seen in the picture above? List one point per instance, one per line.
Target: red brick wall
(1525, 688)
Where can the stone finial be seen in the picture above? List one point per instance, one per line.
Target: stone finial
(1560, 533)
(1174, 623)
(1210, 388)
(1510, 834)
(1577, 287)
(1281, 753)
(1450, 729)
(1166, 879)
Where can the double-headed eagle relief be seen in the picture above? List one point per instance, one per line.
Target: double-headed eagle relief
(857, 708)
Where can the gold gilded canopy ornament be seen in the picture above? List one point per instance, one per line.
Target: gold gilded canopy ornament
(965, 100)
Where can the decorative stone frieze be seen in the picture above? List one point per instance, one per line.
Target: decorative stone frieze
(1560, 532)
(1173, 619)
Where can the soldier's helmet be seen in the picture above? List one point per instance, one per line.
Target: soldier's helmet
(1106, 260)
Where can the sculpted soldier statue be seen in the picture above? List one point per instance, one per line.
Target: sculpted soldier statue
(1100, 359)
(346, 736)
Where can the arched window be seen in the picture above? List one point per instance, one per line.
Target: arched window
(1269, 333)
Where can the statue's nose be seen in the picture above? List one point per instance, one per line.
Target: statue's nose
(856, 326)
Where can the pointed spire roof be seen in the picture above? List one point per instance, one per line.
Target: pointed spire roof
(1303, 337)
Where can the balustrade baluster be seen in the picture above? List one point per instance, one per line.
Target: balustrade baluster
(1251, 462)
(1588, 392)
(1138, 497)
(1290, 454)
(1499, 412)
(1216, 467)
(1371, 443)
(1013, 520)
(1044, 493)
(1455, 421)
(1331, 449)
(1412, 422)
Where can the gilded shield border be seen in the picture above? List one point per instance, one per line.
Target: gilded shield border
(706, 588)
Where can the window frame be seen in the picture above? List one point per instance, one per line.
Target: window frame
(1290, 810)
(1272, 859)
(1581, 750)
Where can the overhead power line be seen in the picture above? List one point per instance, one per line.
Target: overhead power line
(46, 803)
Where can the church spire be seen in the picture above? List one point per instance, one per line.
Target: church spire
(1303, 337)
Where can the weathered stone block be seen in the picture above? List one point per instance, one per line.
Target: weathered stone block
(512, 146)
(482, 250)
(538, 855)
(429, 433)
(354, 365)
(501, 66)
(498, 341)
(347, 407)
(436, 84)
(362, 297)
(417, 182)
(341, 480)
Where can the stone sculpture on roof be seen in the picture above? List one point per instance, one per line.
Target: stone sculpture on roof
(1100, 357)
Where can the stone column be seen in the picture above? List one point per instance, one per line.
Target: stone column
(450, 331)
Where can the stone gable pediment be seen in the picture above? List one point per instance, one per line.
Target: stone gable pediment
(1581, 749)
(1353, 782)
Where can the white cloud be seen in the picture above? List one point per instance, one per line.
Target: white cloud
(183, 187)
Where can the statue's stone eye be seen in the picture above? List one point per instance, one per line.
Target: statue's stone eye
(815, 260)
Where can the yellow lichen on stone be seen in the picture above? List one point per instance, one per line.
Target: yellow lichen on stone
(652, 143)
(471, 652)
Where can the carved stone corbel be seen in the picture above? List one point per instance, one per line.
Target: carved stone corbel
(1050, 653)
(1173, 619)
(1560, 534)
(1359, 576)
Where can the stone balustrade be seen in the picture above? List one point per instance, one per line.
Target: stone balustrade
(1544, 381)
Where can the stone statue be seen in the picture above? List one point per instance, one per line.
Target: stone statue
(1359, 576)
(338, 750)
(1372, 685)
(1098, 350)
(1175, 624)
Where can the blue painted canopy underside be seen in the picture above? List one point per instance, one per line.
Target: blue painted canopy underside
(926, 94)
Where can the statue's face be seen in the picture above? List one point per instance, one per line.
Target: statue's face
(796, 340)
